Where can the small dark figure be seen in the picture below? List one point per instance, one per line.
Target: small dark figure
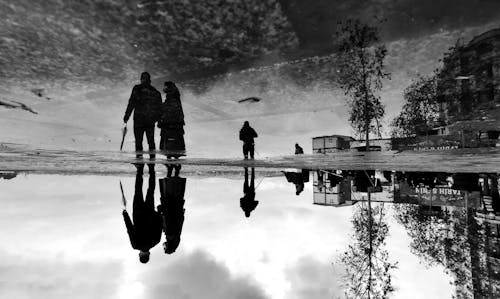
(298, 150)
(247, 135)
(171, 122)
(145, 232)
(172, 191)
(248, 202)
(145, 101)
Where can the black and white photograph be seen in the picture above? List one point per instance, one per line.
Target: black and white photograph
(250, 149)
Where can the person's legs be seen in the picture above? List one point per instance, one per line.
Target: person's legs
(252, 180)
(150, 136)
(246, 186)
(245, 150)
(138, 203)
(150, 200)
(251, 149)
(177, 168)
(138, 135)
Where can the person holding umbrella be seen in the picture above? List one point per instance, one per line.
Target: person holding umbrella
(145, 230)
(145, 102)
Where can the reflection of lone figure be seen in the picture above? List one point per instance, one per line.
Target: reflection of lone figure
(248, 202)
(145, 232)
(145, 101)
(247, 134)
(172, 191)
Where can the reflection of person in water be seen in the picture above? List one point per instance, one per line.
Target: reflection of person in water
(145, 232)
(172, 191)
(248, 202)
(297, 178)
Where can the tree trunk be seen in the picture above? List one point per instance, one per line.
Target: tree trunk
(370, 227)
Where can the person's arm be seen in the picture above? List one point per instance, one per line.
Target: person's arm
(158, 104)
(130, 228)
(241, 135)
(131, 104)
(254, 133)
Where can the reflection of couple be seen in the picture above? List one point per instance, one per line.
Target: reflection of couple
(148, 109)
(145, 230)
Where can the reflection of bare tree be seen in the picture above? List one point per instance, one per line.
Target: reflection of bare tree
(368, 271)
(455, 240)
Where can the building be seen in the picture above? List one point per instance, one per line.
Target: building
(468, 86)
(331, 189)
(331, 144)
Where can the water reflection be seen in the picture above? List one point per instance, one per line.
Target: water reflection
(461, 232)
(298, 178)
(248, 202)
(453, 220)
(145, 231)
(172, 191)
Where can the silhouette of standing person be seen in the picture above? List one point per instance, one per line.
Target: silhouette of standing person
(145, 231)
(247, 135)
(171, 122)
(145, 102)
(298, 149)
(248, 202)
(172, 191)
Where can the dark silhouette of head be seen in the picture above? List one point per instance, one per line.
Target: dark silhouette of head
(247, 214)
(145, 78)
(296, 145)
(246, 123)
(144, 256)
(169, 87)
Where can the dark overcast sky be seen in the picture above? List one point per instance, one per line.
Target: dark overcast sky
(315, 21)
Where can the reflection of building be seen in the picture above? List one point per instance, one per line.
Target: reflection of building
(330, 189)
(469, 84)
(431, 189)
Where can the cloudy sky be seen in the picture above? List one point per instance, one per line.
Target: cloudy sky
(64, 237)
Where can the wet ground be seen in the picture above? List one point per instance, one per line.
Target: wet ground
(236, 233)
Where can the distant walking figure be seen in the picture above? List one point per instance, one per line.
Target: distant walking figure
(248, 202)
(145, 101)
(247, 134)
(145, 232)
(298, 150)
(171, 122)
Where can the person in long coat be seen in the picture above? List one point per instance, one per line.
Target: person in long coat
(172, 190)
(171, 122)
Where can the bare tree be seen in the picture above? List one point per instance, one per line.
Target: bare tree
(361, 73)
